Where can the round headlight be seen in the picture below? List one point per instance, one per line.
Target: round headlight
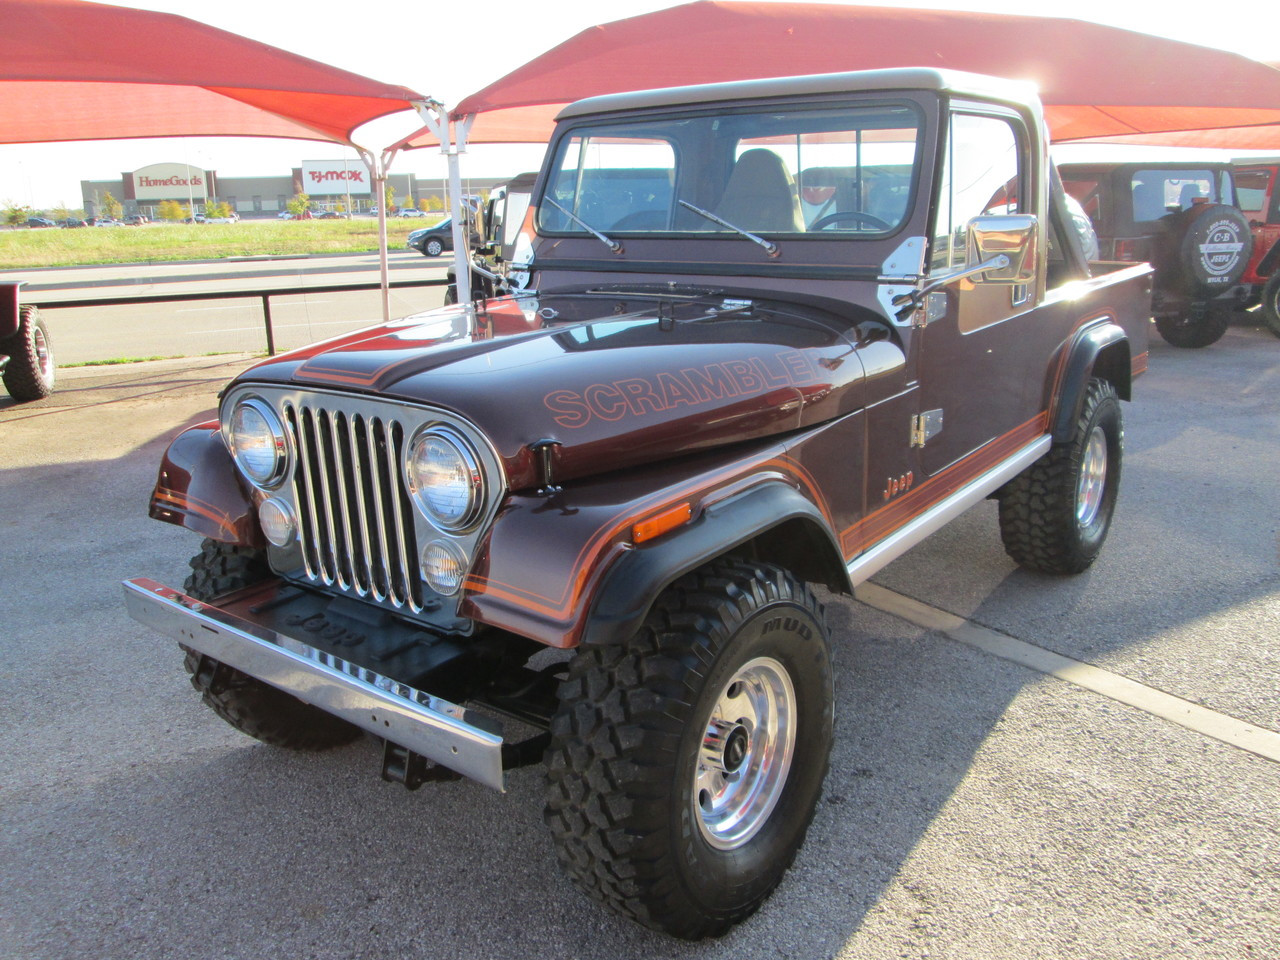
(445, 478)
(258, 442)
(443, 567)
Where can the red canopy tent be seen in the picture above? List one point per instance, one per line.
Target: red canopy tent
(75, 70)
(1094, 80)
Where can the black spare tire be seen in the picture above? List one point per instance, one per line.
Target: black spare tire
(1206, 250)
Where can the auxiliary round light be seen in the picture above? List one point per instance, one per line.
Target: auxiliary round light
(445, 478)
(443, 567)
(279, 524)
(258, 442)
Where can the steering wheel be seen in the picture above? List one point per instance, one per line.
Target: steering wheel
(866, 218)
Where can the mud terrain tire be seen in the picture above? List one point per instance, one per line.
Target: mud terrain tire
(1054, 516)
(666, 802)
(30, 372)
(251, 706)
(1271, 303)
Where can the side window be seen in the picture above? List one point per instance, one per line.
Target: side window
(982, 174)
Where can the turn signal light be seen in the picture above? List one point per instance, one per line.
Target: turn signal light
(659, 524)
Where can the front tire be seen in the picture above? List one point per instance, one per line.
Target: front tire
(685, 765)
(29, 374)
(433, 248)
(251, 706)
(1054, 516)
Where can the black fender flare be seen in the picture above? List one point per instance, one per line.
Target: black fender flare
(771, 521)
(1100, 349)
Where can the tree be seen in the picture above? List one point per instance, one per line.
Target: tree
(170, 210)
(217, 208)
(61, 211)
(111, 206)
(433, 203)
(299, 205)
(15, 213)
(390, 198)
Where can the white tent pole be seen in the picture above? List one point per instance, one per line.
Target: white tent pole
(436, 118)
(378, 182)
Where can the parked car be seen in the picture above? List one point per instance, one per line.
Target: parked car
(333, 215)
(1182, 218)
(72, 223)
(411, 212)
(136, 220)
(286, 215)
(432, 241)
(1258, 192)
(107, 222)
(721, 393)
(37, 223)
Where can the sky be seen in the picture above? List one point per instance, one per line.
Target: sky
(446, 50)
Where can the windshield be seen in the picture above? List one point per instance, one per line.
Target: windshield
(819, 173)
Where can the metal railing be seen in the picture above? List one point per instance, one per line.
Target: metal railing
(263, 295)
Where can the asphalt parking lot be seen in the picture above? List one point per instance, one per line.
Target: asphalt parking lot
(976, 807)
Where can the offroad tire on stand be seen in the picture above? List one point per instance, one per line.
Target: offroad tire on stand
(685, 765)
(433, 248)
(1191, 332)
(30, 372)
(248, 704)
(1054, 516)
(1271, 303)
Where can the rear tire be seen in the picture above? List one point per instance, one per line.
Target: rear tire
(1270, 309)
(1192, 333)
(30, 372)
(1054, 516)
(686, 765)
(251, 706)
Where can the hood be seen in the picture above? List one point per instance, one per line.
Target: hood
(613, 381)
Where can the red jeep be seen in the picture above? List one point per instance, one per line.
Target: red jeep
(1258, 193)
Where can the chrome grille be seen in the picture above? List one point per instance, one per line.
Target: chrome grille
(354, 515)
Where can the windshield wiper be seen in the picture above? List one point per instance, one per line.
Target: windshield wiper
(613, 245)
(770, 247)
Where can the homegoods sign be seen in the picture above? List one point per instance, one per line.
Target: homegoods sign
(330, 178)
(170, 181)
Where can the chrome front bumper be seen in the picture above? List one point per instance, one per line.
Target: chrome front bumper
(450, 735)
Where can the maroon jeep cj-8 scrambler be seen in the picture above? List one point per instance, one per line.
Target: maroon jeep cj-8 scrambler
(769, 334)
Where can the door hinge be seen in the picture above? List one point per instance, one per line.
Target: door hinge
(925, 426)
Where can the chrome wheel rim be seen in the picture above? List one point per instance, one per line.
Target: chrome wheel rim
(746, 752)
(44, 359)
(1093, 478)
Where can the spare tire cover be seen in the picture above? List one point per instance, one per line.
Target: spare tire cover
(1215, 248)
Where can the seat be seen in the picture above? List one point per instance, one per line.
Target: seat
(1190, 193)
(1148, 201)
(760, 194)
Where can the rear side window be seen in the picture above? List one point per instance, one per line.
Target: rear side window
(1156, 193)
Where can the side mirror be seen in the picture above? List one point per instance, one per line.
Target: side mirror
(1013, 236)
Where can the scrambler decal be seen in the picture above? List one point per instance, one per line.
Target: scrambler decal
(691, 387)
